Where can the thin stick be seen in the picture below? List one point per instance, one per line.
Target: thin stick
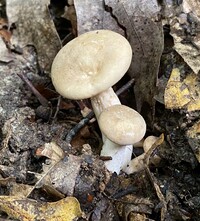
(44, 102)
(85, 120)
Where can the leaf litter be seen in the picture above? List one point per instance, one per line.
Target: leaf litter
(38, 162)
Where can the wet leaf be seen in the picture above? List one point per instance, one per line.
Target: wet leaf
(26, 209)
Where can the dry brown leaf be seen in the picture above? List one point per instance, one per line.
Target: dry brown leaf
(26, 209)
(4, 32)
(6, 35)
(34, 26)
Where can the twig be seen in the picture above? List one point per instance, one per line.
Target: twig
(85, 120)
(153, 178)
(57, 107)
(44, 102)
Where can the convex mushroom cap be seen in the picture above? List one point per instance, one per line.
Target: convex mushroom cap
(122, 124)
(90, 64)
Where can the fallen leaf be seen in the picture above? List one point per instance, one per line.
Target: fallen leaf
(183, 93)
(34, 26)
(176, 96)
(25, 209)
(60, 175)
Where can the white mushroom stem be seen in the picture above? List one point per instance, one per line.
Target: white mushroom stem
(137, 164)
(121, 155)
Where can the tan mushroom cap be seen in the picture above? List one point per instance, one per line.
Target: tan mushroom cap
(90, 64)
(148, 142)
(122, 125)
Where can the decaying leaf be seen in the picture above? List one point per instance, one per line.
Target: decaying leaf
(26, 209)
(182, 93)
(60, 175)
(193, 136)
(34, 27)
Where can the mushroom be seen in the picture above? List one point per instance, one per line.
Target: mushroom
(137, 164)
(89, 65)
(126, 127)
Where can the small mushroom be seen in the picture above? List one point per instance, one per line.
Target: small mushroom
(89, 65)
(123, 126)
(137, 164)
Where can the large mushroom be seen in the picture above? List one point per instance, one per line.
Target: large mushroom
(88, 66)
